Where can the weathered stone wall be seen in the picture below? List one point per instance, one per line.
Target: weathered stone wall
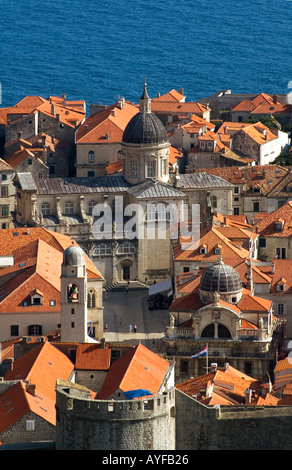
(199, 427)
(115, 425)
(17, 433)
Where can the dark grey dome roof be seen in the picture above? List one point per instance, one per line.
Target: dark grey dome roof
(145, 128)
(220, 277)
(73, 256)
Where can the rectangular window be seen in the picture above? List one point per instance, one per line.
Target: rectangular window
(90, 174)
(150, 169)
(134, 169)
(14, 330)
(69, 208)
(262, 243)
(30, 425)
(236, 211)
(256, 206)
(236, 190)
(4, 191)
(280, 309)
(4, 211)
(34, 330)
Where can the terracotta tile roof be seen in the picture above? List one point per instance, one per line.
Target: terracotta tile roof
(12, 239)
(187, 302)
(262, 104)
(160, 107)
(68, 116)
(174, 155)
(280, 266)
(112, 121)
(116, 167)
(266, 176)
(211, 238)
(172, 95)
(92, 357)
(42, 366)
(259, 277)
(267, 226)
(137, 368)
(16, 402)
(225, 386)
(259, 133)
(252, 303)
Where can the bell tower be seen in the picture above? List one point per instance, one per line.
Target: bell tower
(73, 296)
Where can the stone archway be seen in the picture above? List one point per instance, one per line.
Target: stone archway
(222, 331)
(126, 269)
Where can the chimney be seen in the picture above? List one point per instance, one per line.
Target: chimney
(275, 99)
(30, 388)
(19, 134)
(181, 90)
(214, 366)
(247, 393)
(53, 109)
(86, 127)
(273, 268)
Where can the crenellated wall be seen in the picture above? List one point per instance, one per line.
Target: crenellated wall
(143, 424)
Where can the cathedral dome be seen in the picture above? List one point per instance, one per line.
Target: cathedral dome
(73, 256)
(145, 127)
(220, 278)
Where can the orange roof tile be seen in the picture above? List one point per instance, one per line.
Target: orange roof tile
(211, 237)
(112, 121)
(225, 386)
(137, 368)
(159, 106)
(92, 357)
(262, 104)
(172, 95)
(42, 366)
(16, 402)
(266, 227)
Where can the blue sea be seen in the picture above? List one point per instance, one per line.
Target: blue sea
(101, 50)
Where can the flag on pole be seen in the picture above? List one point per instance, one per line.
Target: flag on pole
(201, 353)
(91, 327)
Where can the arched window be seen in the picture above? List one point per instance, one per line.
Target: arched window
(91, 156)
(126, 248)
(91, 299)
(160, 212)
(45, 208)
(72, 293)
(102, 249)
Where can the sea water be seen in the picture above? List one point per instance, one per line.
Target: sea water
(101, 50)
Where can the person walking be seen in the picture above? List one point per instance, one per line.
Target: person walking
(130, 328)
(135, 328)
(127, 287)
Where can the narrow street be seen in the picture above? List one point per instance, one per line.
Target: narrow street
(122, 308)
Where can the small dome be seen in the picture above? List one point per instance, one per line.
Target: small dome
(145, 128)
(73, 256)
(220, 278)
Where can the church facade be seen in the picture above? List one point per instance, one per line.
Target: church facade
(75, 205)
(224, 320)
